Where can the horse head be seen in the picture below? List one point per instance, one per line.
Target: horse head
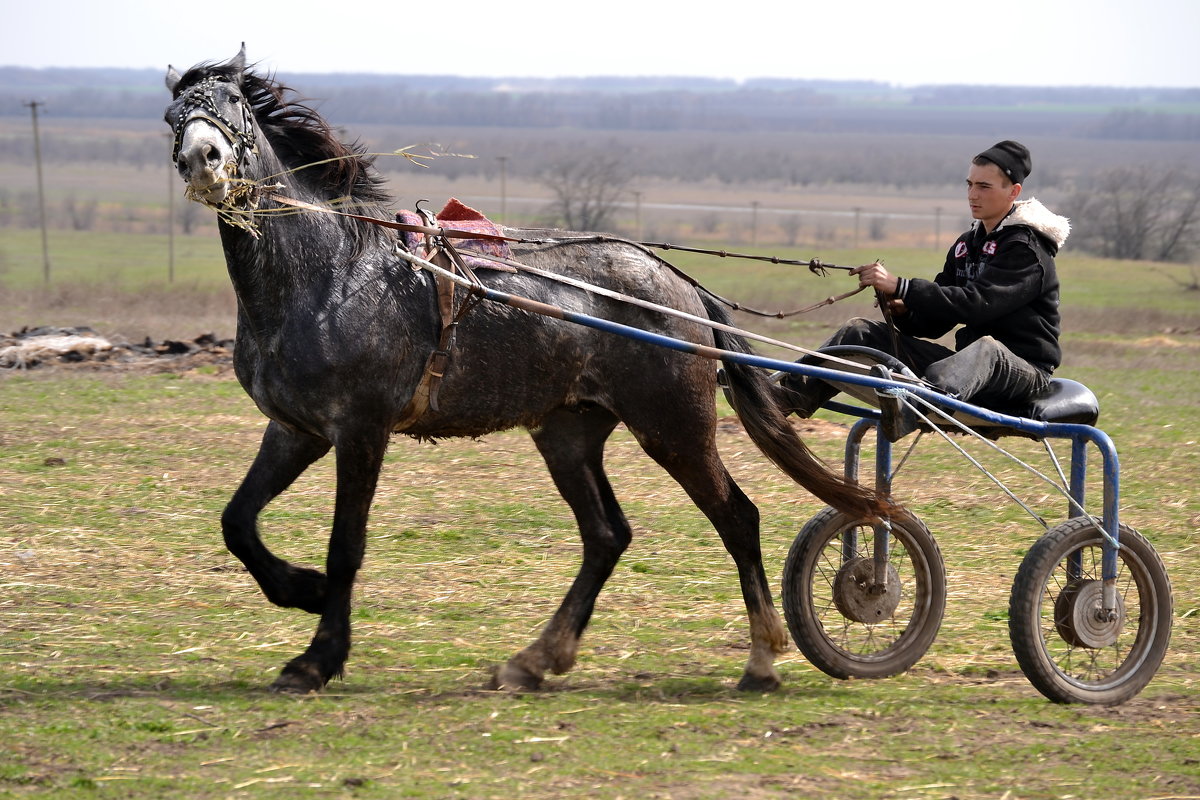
(213, 126)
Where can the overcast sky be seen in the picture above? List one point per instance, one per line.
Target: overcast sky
(1014, 42)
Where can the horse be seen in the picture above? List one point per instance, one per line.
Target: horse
(335, 330)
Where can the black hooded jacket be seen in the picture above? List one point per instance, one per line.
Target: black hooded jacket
(1001, 284)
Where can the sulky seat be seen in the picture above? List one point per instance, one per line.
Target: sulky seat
(1064, 401)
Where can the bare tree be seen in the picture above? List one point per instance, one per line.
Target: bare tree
(188, 214)
(586, 190)
(877, 229)
(1188, 285)
(1138, 213)
(791, 225)
(81, 213)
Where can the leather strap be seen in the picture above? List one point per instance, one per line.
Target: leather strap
(442, 253)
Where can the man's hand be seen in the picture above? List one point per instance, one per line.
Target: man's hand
(877, 277)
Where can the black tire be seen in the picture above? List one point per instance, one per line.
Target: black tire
(840, 625)
(1063, 649)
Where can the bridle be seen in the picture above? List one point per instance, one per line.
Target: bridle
(198, 103)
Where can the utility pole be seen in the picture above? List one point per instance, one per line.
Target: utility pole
(37, 156)
(637, 214)
(857, 215)
(503, 189)
(171, 184)
(754, 223)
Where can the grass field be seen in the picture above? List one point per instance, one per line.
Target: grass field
(135, 651)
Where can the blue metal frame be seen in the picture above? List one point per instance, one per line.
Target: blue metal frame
(1080, 435)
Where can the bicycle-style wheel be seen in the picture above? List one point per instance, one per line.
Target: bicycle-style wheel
(843, 620)
(1069, 648)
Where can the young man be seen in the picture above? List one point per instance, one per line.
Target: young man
(998, 283)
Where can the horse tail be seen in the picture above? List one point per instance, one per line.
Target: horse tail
(754, 400)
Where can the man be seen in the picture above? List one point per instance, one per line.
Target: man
(998, 283)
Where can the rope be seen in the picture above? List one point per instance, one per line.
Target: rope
(669, 311)
(449, 233)
(815, 265)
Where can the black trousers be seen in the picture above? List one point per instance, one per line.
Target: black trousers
(985, 372)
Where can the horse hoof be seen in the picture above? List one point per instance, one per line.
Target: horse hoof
(759, 683)
(513, 679)
(298, 679)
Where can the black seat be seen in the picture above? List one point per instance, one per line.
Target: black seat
(1064, 401)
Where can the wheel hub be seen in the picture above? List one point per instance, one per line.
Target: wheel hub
(1080, 619)
(859, 598)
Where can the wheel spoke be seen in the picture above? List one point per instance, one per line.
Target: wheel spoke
(1067, 645)
(846, 623)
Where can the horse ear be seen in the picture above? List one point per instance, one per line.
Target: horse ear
(239, 61)
(172, 79)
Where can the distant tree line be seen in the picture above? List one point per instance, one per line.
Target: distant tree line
(1122, 174)
(659, 104)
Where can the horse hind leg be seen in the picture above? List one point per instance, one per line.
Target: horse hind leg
(282, 457)
(572, 444)
(689, 454)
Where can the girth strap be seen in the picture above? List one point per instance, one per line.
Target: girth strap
(441, 252)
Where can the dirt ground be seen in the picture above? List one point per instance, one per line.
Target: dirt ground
(82, 348)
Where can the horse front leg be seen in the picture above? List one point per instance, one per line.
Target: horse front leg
(359, 460)
(282, 457)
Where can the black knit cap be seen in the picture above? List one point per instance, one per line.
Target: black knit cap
(1011, 157)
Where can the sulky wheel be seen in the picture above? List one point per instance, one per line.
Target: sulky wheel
(843, 621)
(1069, 648)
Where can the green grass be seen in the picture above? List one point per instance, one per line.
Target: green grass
(135, 651)
(122, 260)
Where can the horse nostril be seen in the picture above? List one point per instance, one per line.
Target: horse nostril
(212, 155)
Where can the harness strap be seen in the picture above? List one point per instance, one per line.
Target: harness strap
(441, 252)
(430, 229)
(452, 269)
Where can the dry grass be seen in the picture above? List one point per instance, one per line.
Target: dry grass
(154, 311)
(136, 647)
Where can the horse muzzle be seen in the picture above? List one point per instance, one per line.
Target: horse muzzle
(206, 162)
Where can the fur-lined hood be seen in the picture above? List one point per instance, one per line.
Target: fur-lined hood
(1033, 214)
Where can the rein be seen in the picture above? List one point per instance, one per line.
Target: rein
(448, 267)
(463, 276)
(816, 266)
(199, 104)
(450, 271)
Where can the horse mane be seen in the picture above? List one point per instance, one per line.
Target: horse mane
(301, 138)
